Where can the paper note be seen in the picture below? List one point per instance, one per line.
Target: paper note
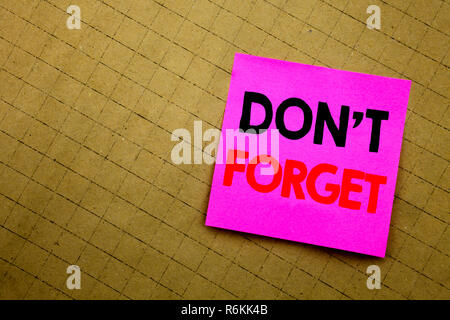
(309, 154)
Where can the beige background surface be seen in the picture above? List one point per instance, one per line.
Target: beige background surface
(85, 171)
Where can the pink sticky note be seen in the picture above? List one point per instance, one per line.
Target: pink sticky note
(339, 188)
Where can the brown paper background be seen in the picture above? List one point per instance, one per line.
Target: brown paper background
(85, 123)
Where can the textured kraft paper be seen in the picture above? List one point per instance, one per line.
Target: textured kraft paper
(240, 207)
(86, 175)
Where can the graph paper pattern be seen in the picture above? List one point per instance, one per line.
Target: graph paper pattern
(86, 118)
